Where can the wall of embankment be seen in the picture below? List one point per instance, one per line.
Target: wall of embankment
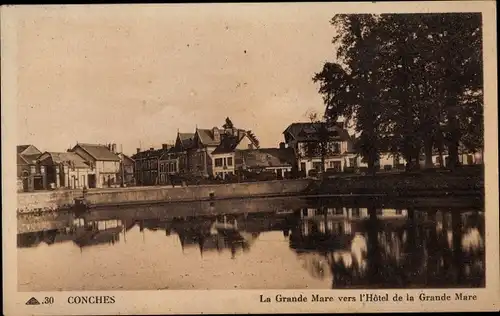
(49, 201)
(419, 184)
(402, 185)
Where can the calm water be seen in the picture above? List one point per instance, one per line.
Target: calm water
(255, 244)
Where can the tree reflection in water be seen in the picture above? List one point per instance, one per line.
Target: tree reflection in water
(352, 247)
(410, 249)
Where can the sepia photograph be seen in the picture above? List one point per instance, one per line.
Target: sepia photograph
(223, 147)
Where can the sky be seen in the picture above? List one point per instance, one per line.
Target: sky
(135, 74)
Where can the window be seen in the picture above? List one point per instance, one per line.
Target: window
(230, 161)
(218, 162)
(317, 165)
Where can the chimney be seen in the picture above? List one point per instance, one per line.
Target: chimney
(282, 145)
(138, 150)
(152, 148)
(164, 146)
(216, 133)
(113, 148)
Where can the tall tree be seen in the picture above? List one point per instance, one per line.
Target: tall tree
(353, 90)
(411, 83)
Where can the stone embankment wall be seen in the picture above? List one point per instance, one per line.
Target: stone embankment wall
(47, 201)
(405, 185)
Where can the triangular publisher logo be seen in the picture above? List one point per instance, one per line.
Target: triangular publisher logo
(32, 301)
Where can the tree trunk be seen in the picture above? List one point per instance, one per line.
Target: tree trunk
(428, 146)
(323, 158)
(417, 157)
(372, 158)
(453, 161)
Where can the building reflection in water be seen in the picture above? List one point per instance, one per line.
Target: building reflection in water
(391, 248)
(353, 247)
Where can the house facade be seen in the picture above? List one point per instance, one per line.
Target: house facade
(168, 165)
(30, 175)
(225, 159)
(183, 145)
(66, 170)
(147, 165)
(205, 141)
(103, 159)
(304, 138)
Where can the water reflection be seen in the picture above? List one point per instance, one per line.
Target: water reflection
(350, 247)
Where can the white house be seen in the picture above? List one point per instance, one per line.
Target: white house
(300, 136)
(224, 157)
(105, 161)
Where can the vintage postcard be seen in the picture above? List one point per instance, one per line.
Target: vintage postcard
(250, 158)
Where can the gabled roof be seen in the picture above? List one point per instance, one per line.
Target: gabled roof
(28, 155)
(267, 157)
(227, 145)
(22, 148)
(229, 142)
(67, 158)
(21, 160)
(206, 137)
(98, 152)
(303, 132)
(27, 159)
(185, 140)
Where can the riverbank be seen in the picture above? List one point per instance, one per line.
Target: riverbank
(403, 185)
(60, 200)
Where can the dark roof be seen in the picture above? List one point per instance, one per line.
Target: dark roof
(67, 158)
(151, 154)
(267, 157)
(228, 144)
(186, 139)
(98, 152)
(22, 148)
(310, 131)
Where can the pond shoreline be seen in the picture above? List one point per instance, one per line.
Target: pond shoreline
(398, 186)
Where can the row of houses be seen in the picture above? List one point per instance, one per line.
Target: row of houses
(229, 151)
(84, 165)
(217, 153)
